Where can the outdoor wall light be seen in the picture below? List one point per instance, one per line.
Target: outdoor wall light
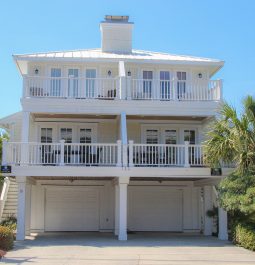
(36, 71)
(129, 73)
(200, 75)
(109, 73)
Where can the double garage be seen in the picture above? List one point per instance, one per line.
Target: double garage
(92, 207)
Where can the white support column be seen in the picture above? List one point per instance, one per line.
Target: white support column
(223, 224)
(28, 209)
(207, 206)
(116, 228)
(131, 150)
(119, 153)
(21, 211)
(123, 130)
(122, 79)
(25, 136)
(121, 208)
(62, 152)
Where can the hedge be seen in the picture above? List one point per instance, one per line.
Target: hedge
(244, 235)
(6, 238)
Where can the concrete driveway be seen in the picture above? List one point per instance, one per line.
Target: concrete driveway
(141, 248)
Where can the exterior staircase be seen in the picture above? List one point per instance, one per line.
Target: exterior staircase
(10, 205)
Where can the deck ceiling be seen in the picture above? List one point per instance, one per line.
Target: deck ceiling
(155, 118)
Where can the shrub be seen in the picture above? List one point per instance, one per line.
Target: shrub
(244, 235)
(10, 222)
(6, 238)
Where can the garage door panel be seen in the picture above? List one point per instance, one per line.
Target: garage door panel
(72, 209)
(155, 209)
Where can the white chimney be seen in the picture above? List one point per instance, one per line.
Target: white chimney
(116, 34)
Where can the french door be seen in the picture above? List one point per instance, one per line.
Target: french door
(55, 82)
(45, 149)
(147, 84)
(73, 83)
(165, 93)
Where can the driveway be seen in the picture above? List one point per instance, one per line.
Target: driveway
(141, 248)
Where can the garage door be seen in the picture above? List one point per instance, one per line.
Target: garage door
(72, 209)
(154, 208)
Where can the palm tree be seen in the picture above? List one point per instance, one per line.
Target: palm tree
(231, 139)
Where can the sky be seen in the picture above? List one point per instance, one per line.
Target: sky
(220, 29)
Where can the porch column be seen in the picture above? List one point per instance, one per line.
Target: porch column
(121, 208)
(21, 209)
(207, 206)
(116, 228)
(123, 131)
(25, 136)
(223, 224)
(28, 209)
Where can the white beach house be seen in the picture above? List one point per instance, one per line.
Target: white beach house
(109, 139)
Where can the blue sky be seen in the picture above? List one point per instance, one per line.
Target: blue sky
(217, 29)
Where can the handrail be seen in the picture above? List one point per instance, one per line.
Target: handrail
(3, 196)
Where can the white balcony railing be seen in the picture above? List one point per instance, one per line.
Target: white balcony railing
(175, 90)
(121, 88)
(71, 87)
(93, 154)
(179, 155)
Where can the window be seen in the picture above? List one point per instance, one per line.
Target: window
(90, 83)
(181, 84)
(147, 84)
(165, 85)
(55, 85)
(46, 135)
(170, 137)
(152, 136)
(190, 136)
(66, 134)
(73, 82)
(85, 136)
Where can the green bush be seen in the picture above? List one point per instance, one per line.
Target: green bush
(244, 235)
(10, 222)
(6, 238)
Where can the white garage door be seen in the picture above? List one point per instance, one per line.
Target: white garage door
(154, 208)
(72, 209)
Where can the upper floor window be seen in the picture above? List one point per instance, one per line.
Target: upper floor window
(85, 135)
(73, 82)
(90, 83)
(181, 84)
(190, 136)
(46, 135)
(147, 84)
(165, 85)
(55, 85)
(66, 134)
(152, 136)
(170, 137)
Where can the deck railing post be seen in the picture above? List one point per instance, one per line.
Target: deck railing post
(62, 152)
(119, 149)
(130, 153)
(186, 154)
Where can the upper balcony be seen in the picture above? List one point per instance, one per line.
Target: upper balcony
(122, 88)
(133, 95)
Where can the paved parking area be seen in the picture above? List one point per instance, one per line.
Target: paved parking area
(141, 248)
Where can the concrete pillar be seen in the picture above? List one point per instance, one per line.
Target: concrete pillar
(21, 210)
(223, 224)
(208, 205)
(121, 208)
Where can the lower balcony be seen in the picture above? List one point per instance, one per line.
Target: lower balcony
(106, 160)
